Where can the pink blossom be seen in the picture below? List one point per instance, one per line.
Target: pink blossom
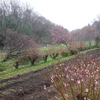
(66, 69)
(87, 90)
(67, 76)
(95, 88)
(55, 96)
(78, 82)
(45, 87)
(65, 85)
(49, 90)
(56, 67)
(72, 79)
(66, 95)
(96, 83)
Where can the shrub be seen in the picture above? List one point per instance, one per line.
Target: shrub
(74, 47)
(53, 52)
(79, 81)
(73, 52)
(89, 47)
(22, 60)
(33, 53)
(65, 53)
(45, 54)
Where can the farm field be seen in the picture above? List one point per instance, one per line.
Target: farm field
(29, 86)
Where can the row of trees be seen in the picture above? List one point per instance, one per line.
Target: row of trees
(86, 34)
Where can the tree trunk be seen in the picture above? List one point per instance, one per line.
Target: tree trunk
(45, 58)
(54, 55)
(16, 65)
(32, 60)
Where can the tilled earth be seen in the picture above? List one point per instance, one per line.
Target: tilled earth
(29, 86)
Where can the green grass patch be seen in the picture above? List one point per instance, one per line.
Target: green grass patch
(55, 47)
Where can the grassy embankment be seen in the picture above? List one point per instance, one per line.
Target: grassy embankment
(11, 71)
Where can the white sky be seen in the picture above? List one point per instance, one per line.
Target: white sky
(71, 14)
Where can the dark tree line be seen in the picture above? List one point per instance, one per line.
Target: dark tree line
(23, 19)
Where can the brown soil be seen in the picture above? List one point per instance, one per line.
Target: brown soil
(29, 86)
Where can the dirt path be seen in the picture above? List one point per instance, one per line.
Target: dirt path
(29, 86)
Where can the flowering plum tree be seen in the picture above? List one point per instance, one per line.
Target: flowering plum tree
(79, 81)
(14, 43)
(59, 35)
(33, 53)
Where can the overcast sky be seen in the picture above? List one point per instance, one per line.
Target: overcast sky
(71, 14)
